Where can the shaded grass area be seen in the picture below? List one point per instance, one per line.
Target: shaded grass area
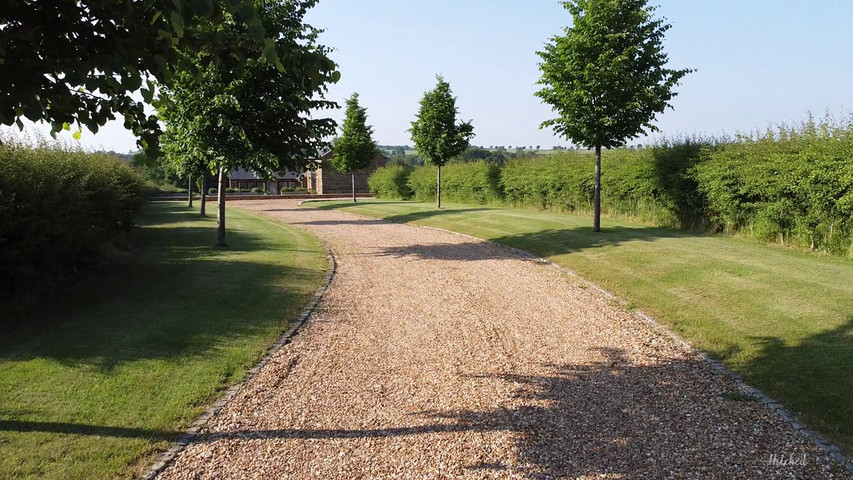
(780, 317)
(100, 380)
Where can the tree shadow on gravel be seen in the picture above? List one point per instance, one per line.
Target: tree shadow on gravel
(467, 251)
(323, 223)
(677, 419)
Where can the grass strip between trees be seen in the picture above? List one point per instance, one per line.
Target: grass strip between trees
(111, 373)
(780, 317)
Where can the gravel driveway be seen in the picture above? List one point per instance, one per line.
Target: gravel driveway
(434, 355)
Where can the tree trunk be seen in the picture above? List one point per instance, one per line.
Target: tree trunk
(190, 191)
(220, 218)
(203, 193)
(596, 222)
(438, 188)
(353, 187)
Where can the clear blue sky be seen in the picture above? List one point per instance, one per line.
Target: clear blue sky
(758, 61)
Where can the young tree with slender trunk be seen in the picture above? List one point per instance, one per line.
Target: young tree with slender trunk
(436, 135)
(606, 77)
(355, 148)
(251, 114)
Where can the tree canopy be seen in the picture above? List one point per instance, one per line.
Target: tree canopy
(606, 77)
(251, 114)
(80, 61)
(355, 148)
(435, 132)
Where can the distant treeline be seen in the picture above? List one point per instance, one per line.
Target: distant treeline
(498, 155)
(791, 185)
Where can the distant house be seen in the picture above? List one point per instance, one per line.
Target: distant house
(326, 180)
(323, 180)
(248, 179)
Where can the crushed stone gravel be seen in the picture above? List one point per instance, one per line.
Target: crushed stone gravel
(434, 355)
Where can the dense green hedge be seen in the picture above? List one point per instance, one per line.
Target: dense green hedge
(391, 182)
(652, 185)
(792, 186)
(59, 211)
(792, 190)
(476, 182)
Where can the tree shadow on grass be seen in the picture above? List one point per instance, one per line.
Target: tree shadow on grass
(612, 417)
(83, 429)
(814, 378)
(176, 298)
(546, 243)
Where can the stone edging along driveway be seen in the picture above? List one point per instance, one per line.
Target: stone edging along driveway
(819, 440)
(436, 355)
(167, 457)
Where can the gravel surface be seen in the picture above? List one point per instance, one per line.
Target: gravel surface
(434, 355)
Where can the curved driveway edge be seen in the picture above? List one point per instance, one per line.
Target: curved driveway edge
(166, 458)
(433, 355)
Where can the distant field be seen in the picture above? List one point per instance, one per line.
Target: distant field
(780, 317)
(101, 380)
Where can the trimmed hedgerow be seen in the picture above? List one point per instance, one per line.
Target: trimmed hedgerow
(422, 182)
(794, 186)
(390, 182)
(475, 182)
(60, 211)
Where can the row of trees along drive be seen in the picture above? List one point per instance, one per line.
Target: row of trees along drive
(251, 114)
(606, 77)
(237, 79)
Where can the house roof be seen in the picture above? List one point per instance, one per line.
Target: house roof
(243, 174)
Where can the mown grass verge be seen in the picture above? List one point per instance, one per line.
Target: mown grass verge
(782, 318)
(103, 378)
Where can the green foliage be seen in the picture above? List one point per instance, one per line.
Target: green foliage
(476, 182)
(61, 211)
(794, 186)
(390, 182)
(251, 114)
(81, 61)
(558, 182)
(436, 135)
(606, 76)
(158, 170)
(355, 148)
(422, 182)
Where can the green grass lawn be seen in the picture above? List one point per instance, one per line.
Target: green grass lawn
(780, 317)
(99, 380)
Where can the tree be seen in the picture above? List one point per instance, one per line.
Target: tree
(606, 78)
(80, 61)
(436, 135)
(251, 114)
(355, 148)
